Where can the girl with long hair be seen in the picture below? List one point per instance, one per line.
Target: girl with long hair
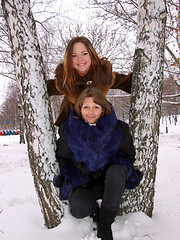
(82, 66)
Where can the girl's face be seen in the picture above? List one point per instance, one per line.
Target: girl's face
(90, 111)
(80, 58)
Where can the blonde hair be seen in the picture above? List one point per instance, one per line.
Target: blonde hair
(98, 98)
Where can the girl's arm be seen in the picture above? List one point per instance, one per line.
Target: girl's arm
(126, 145)
(63, 152)
(51, 87)
(122, 82)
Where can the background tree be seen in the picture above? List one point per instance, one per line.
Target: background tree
(6, 63)
(9, 109)
(171, 96)
(124, 13)
(7, 72)
(36, 108)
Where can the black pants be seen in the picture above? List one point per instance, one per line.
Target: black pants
(83, 199)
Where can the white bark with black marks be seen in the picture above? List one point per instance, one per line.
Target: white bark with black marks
(146, 99)
(35, 105)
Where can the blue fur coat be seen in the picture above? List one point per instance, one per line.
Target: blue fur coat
(84, 152)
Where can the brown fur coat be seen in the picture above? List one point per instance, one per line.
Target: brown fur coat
(104, 80)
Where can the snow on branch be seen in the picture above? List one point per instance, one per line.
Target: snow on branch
(171, 102)
(117, 96)
(171, 96)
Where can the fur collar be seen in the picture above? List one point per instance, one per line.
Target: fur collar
(94, 146)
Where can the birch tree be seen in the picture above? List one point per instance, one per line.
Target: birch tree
(35, 104)
(145, 111)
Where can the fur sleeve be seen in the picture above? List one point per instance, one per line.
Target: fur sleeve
(54, 86)
(51, 88)
(122, 82)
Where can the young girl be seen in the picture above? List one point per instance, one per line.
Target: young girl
(95, 154)
(81, 67)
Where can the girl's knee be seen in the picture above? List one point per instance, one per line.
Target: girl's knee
(79, 205)
(116, 172)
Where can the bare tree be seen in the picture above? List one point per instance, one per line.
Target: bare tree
(9, 109)
(35, 104)
(171, 99)
(7, 72)
(124, 12)
(6, 63)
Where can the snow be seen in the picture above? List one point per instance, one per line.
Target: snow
(20, 216)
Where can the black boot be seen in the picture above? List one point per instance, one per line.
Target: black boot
(95, 213)
(106, 218)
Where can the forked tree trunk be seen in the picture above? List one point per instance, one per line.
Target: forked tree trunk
(145, 111)
(35, 105)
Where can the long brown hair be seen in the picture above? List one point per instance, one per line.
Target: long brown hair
(68, 78)
(98, 98)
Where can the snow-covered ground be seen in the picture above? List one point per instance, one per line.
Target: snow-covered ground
(20, 216)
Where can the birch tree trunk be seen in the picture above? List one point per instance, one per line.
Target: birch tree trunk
(145, 111)
(35, 104)
(21, 124)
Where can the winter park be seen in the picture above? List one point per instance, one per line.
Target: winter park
(89, 120)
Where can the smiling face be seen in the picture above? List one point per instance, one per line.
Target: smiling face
(90, 111)
(81, 58)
